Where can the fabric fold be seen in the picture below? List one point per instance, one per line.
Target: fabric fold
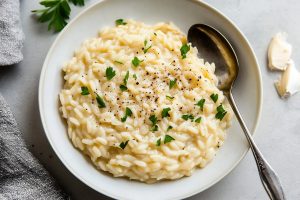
(11, 34)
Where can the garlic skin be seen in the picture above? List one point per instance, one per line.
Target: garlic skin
(289, 82)
(279, 52)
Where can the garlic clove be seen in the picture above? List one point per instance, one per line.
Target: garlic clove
(279, 52)
(289, 82)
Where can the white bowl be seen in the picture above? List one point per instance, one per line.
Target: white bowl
(184, 13)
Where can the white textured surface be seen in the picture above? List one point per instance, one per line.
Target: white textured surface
(278, 133)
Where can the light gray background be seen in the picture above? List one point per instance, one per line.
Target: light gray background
(278, 134)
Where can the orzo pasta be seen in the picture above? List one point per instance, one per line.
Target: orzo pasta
(141, 104)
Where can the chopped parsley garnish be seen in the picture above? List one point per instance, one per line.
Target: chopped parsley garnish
(128, 113)
(214, 97)
(168, 139)
(187, 117)
(125, 80)
(135, 61)
(123, 144)
(198, 120)
(158, 142)
(169, 128)
(154, 128)
(123, 87)
(153, 119)
(165, 112)
(172, 83)
(220, 112)
(110, 73)
(184, 49)
(84, 90)
(145, 46)
(119, 62)
(134, 76)
(169, 97)
(120, 22)
(100, 101)
(201, 104)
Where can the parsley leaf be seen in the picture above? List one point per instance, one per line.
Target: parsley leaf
(56, 12)
(100, 101)
(128, 113)
(169, 97)
(214, 97)
(146, 48)
(123, 88)
(134, 76)
(184, 49)
(153, 119)
(201, 104)
(84, 90)
(123, 144)
(221, 112)
(198, 120)
(110, 73)
(120, 22)
(154, 128)
(165, 112)
(169, 128)
(172, 83)
(158, 142)
(168, 139)
(187, 117)
(77, 2)
(125, 80)
(135, 61)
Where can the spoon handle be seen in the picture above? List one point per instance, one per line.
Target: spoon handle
(267, 175)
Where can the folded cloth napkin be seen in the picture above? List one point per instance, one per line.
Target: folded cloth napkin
(11, 35)
(21, 175)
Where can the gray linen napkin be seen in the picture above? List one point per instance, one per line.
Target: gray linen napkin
(21, 175)
(11, 35)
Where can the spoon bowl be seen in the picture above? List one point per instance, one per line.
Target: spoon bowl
(214, 47)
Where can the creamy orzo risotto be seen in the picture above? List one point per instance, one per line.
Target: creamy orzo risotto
(141, 104)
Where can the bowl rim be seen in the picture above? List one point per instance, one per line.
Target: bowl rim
(102, 190)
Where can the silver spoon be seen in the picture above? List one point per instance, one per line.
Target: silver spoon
(214, 47)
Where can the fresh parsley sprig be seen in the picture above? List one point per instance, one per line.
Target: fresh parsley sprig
(56, 12)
